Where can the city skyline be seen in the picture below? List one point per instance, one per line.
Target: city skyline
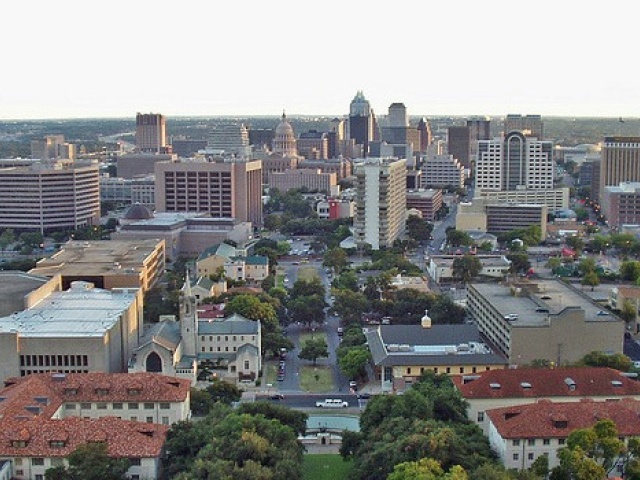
(258, 59)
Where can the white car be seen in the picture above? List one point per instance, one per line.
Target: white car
(332, 403)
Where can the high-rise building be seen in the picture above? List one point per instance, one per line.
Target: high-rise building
(381, 200)
(151, 133)
(53, 147)
(459, 143)
(335, 138)
(230, 139)
(284, 141)
(479, 129)
(620, 162)
(224, 188)
(46, 197)
(362, 123)
(532, 123)
(424, 128)
(515, 162)
(621, 204)
(313, 145)
(442, 171)
(396, 125)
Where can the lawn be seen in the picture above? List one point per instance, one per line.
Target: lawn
(308, 273)
(271, 374)
(309, 382)
(325, 467)
(308, 336)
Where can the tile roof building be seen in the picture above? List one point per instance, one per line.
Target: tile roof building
(45, 417)
(519, 386)
(520, 434)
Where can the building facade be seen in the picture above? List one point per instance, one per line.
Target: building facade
(311, 179)
(619, 162)
(440, 171)
(621, 204)
(426, 201)
(151, 132)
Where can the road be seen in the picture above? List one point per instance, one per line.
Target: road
(308, 400)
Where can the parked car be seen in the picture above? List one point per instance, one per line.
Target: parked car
(332, 403)
(277, 396)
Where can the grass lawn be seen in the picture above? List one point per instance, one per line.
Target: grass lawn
(308, 336)
(308, 381)
(308, 273)
(271, 374)
(325, 467)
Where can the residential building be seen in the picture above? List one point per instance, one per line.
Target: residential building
(313, 145)
(107, 264)
(520, 386)
(619, 162)
(426, 201)
(151, 133)
(225, 188)
(440, 267)
(519, 435)
(333, 208)
(401, 353)
(381, 201)
(441, 171)
(204, 287)
(621, 204)
(520, 123)
(184, 233)
(45, 417)
(47, 196)
(547, 319)
(230, 139)
(78, 330)
(236, 263)
(310, 179)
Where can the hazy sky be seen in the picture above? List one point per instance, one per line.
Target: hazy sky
(218, 57)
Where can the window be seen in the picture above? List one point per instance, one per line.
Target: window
(70, 406)
(133, 406)
(165, 406)
(165, 420)
(117, 406)
(530, 456)
(39, 476)
(134, 419)
(135, 462)
(57, 444)
(561, 441)
(531, 442)
(546, 441)
(57, 462)
(480, 416)
(246, 364)
(149, 406)
(85, 406)
(516, 456)
(409, 371)
(515, 443)
(149, 419)
(101, 406)
(37, 462)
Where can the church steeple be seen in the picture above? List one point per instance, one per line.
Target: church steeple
(188, 318)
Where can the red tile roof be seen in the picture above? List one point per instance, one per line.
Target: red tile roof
(629, 292)
(123, 437)
(544, 382)
(546, 419)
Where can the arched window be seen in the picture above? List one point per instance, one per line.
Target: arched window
(154, 363)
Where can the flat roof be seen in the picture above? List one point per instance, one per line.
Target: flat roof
(544, 297)
(81, 311)
(15, 283)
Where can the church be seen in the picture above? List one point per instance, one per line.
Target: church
(228, 348)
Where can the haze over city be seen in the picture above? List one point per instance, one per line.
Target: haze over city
(260, 58)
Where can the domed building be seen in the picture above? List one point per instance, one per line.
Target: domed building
(284, 141)
(135, 213)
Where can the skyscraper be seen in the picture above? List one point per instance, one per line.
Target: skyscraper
(151, 133)
(362, 123)
(231, 139)
(381, 201)
(516, 122)
(620, 162)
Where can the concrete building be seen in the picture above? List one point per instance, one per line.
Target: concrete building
(519, 435)
(333, 208)
(514, 162)
(440, 267)
(313, 145)
(108, 264)
(52, 147)
(424, 132)
(623, 294)
(459, 144)
(427, 202)
(440, 171)
(520, 386)
(187, 147)
(45, 196)
(151, 133)
(311, 179)
(284, 140)
(15, 287)
(135, 165)
(401, 353)
(224, 188)
(82, 329)
(554, 198)
(483, 215)
(128, 191)
(381, 201)
(46, 417)
(520, 123)
(619, 162)
(542, 319)
(362, 125)
(230, 139)
(340, 166)
(621, 204)
(184, 233)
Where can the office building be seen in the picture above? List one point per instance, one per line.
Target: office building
(362, 125)
(426, 201)
(224, 188)
(340, 166)
(380, 201)
(52, 147)
(135, 165)
(442, 171)
(543, 319)
(229, 139)
(336, 137)
(555, 199)
(621, 204)
(515, 162)
(261, 139)
(45, 197)
(521, 123)
(309, 178)
(620, 162)
(395, 128)
(128, 191)
(479, 129)
(424, 135)
(459, 144)
(187, 147)
(151, 133)
(313, 145)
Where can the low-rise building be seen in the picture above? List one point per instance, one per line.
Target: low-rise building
(401, 353)
(236, 263)
(427, 201)
(545, 319)
(519, 386)
(621, 204)
(623, 294)
(440, 267)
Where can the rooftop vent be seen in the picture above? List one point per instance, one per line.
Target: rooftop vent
(58, 377)
(41, 400)
(570, 383)
(495, 386)
(469, 378)
(525, 385)
(393, 347)
(616, 383)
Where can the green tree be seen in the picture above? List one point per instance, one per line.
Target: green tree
(630, 270)
(295, 419)
(445, 311)
(350, 305)
(336, 258)
(628, 311)
(426, 469)
(307, 309)
(458, 238)
(313, 349)
(617, 361)
(466, 267)
(347, 280)
(591, 279)
(519, 262)
(418, 228)
(353, 360)
(201, 401)
(91, 461)
(223, 392)
(7, 238)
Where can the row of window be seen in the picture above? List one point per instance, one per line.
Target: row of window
(54, 360)
(117, 406)
(226, 338)
(448, 370)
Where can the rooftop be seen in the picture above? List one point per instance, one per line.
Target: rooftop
(547, 383)
(233, 325)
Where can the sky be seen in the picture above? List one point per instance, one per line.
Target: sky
(102, 59)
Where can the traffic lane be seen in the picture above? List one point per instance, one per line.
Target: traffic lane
(295, 400)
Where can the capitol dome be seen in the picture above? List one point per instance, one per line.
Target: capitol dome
(134, 213)
(284, 141)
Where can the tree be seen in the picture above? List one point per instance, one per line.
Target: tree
(224, 392)
(201, 401)
(7, 238)
(418, 228)
(313, 349)
(617, 361)
(628, 311)
(457, 238)
(630, 270)
(350, 305)
(91, 461)
(445, 311)
(336, 258)
(353, 360)
(466, 267)
(295, 419)
(519, 262)
(591, 279)
(426, 469)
